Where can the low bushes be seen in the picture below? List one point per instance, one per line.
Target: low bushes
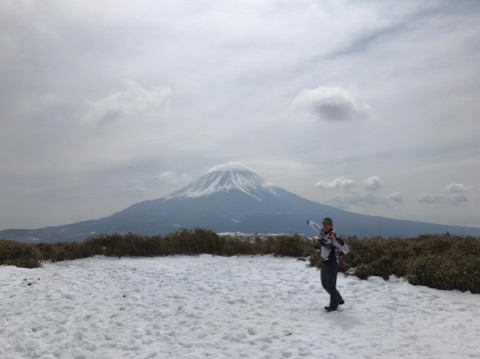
(182, 242)
(437, 261)
(19, 254)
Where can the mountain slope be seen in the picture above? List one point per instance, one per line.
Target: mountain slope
(232, 198)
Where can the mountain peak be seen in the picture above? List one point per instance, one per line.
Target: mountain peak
(226, 177)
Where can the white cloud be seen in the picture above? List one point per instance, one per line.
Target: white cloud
(373, 183)
(457, 188)
(331, 103)
(338, 183)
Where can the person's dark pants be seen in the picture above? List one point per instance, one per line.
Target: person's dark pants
(328, 277)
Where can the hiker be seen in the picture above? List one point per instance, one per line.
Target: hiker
(331, 247)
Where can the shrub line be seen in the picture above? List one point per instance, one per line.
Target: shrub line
(438, 261)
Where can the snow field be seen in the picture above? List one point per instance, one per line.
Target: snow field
(219, 307)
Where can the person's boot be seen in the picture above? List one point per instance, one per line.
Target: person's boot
(330, 308)
(341, 301)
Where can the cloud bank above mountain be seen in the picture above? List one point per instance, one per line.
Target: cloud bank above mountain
(106, 104)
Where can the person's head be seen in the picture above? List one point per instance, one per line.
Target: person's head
(327, 223)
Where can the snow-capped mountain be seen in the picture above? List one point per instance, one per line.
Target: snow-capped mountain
(232, 198)
(226, 177)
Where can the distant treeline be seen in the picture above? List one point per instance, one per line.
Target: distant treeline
(437, 261)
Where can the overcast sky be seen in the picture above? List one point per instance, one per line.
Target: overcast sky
(369, 106)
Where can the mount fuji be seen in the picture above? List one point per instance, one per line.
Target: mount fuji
(232, 198)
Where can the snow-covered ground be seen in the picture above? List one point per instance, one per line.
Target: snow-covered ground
(218, 307)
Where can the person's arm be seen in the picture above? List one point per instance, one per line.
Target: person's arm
(316, 227)
(341, 245)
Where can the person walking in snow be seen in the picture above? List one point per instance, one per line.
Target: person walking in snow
(330, 247)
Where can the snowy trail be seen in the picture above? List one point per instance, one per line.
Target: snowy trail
(218, 307)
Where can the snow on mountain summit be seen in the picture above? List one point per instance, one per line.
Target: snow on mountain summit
(226, 177)
(231, 166)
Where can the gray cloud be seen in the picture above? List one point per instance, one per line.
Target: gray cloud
(428, 198)
(369, 196)
(174, 180)
(133, 104)
(395, 197)
(453, 194)
(330, 103)
(361, 199)
(373, 183)
(365, 199)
